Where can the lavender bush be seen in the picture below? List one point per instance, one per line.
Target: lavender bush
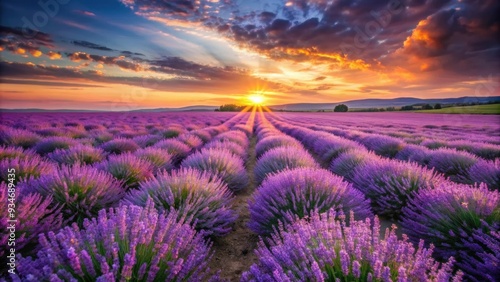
(222, 163)
(453, 217)
(159, 158)
(120, 146)
(296, 193)
(191, 140)
(331, 147)
(452, 163)
(487, 172)
(203, 199)
(50, 144)
(127, 168)
(385, 146)
(34, 217)
(414, 153)
(77, 154)
(146, 140)
(275, 141)
(281, 158)
(177, 149)
(172, 132)
(128, 243)
(18, 137)
(81, 191)
(389, 184)
(8, 152)
(234, 148)
(322, 248)
(347, 162)
(25, 167)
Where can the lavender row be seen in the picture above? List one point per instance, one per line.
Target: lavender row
(400, 189)
(458, 166)
(303, 245)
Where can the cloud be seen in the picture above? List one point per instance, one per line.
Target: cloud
(358, 34)
(238, 84)
(91, 45)
(85, 13)
(117, 61)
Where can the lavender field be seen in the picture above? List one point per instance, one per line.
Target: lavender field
(249, 196)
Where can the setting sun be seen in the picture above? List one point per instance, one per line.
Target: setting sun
(256, 99)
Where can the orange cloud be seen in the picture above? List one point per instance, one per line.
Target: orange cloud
(36, 53)
(54, 55)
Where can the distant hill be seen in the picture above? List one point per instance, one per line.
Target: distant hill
(200, 108)
(197, 108)
(360, 104)
(382, 103)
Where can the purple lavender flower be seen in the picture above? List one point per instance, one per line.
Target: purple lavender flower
(50, 144)
(203, 135)
(487, 151)
(127, 168)
(120, 146)
(248, 130)
(414, 153)
(487, 172)
(8, 152)
(198, 196)
(281, 158)
(179, 150)
(172, 132)
(452, 217)
(146, 140)
(383, 145)
(18, 137)
(159, 158)
(434, 143)
(127, 243)
(480, 265)
(234, 148)
(331, 147)
(347, 162)
(454, 164)
(34, 217)
(296, 193)
(235, 136)
(222, 163)
(25, 167)
(323, 248)
(275, 141)
(390, 184)
(77, 154)
(81, 191)
(191, 140)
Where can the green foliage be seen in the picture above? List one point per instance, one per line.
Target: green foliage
(230, 108)
(341, 108)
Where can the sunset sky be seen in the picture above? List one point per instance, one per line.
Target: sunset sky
(130, 54)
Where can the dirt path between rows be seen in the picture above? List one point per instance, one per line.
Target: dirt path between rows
(234, 253)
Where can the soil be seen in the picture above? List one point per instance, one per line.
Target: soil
(234, 253)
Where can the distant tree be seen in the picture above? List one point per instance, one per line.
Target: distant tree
(437, 106)
(390, 109)
(341, 108)
(407, 108)
(230, 108)
(427, 107)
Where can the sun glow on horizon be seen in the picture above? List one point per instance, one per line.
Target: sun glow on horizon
(256, 99)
